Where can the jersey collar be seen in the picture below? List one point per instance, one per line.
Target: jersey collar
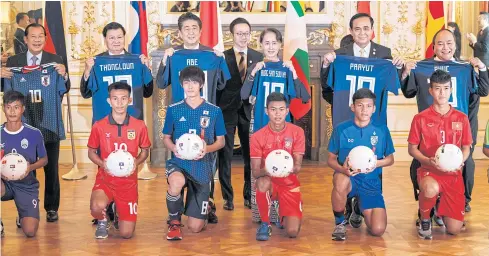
(440, 115)
(113, 122)
(14, 132)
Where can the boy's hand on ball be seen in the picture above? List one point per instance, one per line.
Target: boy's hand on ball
(202, 152)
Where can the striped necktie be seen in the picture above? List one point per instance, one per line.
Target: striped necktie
(242, 66)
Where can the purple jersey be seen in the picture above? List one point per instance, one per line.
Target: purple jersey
(27, 141)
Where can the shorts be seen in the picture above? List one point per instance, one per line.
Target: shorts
(25, 196)
(197, 201)
(452, 193)
(126, 200)
(290, 203)
(368, 191)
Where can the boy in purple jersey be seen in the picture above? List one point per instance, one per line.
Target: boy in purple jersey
(28, 142)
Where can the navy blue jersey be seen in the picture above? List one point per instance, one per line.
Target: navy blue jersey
(206, 121)
(43, 89)
(348, 135)
(347, 74)
(110, 69)
(28, 142)
(215, 69)
(464, 83)
(273, 78)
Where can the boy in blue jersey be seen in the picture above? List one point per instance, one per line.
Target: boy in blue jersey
(192, 115)
(366, 188)
(28, 142)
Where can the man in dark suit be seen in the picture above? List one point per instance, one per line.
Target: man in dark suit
(114, 38)
(237, 113)
(22, 20)
(361, 29)
(480, 44)
(189, 29)
(444, 49)
(35, 39)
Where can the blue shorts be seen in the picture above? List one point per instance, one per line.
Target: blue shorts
(25, 196)
(368, 191)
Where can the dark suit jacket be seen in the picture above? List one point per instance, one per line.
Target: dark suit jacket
(147, 90)
(162, 68)
(376, 51)
(481, 48)
(229, 99)
(20, 60)
(19, 44)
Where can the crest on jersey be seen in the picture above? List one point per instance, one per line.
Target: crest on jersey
(288, 142)
(107, 135)
(374, 140)
(45, 80)
(131, 134)
(24, 143)
(457, 126)
(204, 121)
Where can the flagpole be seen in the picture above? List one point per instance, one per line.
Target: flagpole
(74, 173)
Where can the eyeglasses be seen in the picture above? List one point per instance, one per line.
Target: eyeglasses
(242, 34)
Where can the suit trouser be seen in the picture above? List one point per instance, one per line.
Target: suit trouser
(225, 156)
(52, 188)
(467, 173)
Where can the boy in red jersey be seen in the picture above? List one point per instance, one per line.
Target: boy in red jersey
(278, 134)
(438, 125)
(117, 131)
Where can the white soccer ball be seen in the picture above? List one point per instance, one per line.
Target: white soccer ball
(362, 158)
(449, 157)
(279, 163)
(189, 146)
(120, 163)
(14, 166)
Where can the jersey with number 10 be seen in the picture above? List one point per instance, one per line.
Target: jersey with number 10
(215, 69)
(463, 83)
(347, 74)
(120, 68)
(273, 78)
(42, 87)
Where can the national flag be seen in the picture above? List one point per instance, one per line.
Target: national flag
(364, 7)
(295, 49)
(211, 25)
(435, 21)
(55, 32)
(138, 28)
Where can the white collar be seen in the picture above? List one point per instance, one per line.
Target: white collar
(195, 48)
(23, 29)
(438, 59)
(111, 54)
(238, 51)
(29, 57)
(356, 49)
(13, 133)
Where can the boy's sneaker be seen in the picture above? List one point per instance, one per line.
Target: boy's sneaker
(174, 230)
(263, 232)
(102, 231)
(424, 229)
(355, 219)
(339, 233)
(211, 216)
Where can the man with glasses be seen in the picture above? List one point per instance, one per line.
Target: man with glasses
(236, 113)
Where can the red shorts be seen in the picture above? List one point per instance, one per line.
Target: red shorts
(290, 203)
(452, 198)
(126, 200)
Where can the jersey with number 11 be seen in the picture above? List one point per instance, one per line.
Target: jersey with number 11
(120, 68)
(348, 74)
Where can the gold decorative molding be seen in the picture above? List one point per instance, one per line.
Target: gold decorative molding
(162, 106)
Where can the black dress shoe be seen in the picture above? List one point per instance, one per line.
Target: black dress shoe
(52, 216)
(228, 205)
(467, 207)
(247, 203)
(211, 216)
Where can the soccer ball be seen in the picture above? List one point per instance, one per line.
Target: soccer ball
(189, 146)
(120, 163)
(449, 157)
(14, 166)
(279, 163)
(362, 158)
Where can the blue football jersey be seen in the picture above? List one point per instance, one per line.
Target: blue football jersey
(207, 122)
(348, 135)
(28, 142)
(464, 83)
(43, 89)
(215, 69)
(118, 68)
(347, 74)
(273, 78)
